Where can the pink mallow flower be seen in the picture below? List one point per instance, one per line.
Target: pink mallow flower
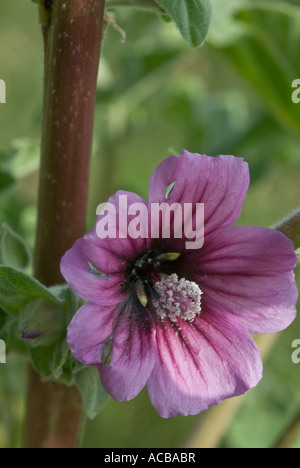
(178, 321)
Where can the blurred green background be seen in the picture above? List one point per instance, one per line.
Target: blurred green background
(156, 96)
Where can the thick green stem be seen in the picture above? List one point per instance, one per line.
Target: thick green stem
(72, 52)
(71, 67)
(54, 414)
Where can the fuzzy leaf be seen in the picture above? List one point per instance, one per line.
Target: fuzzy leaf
(17, 289)
(49, 360)
(44, 327)
(93, 394)
(13, 250)
(141, 4)
(42, 322)
(290, 226)
(192, 18)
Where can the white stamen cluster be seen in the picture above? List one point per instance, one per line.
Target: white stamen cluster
(177, 298)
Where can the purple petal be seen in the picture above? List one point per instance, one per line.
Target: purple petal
(248, 271)
(133, 358)
(221, 183)
(76, 268)
(202, 363)
(90, 327)
(108, 256)
(115, 252)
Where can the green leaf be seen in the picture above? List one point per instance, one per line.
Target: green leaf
(9, 333)
(49, 350)
(17, 289)
(13, 250)
(142, 4)
(93, 394)
(6, 181)
(192, 18)
(42, 322)
(71, 301)
(49, 360)
(290, 226)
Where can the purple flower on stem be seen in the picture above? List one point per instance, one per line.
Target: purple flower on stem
(178, 321)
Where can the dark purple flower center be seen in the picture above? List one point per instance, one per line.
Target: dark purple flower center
(154, 284)
(149, 268)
